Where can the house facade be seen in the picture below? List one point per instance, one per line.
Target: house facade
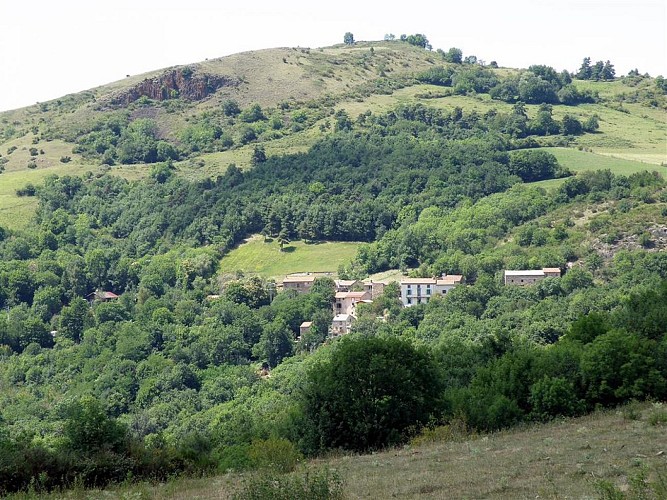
(375, 288)
(524, 277)
(342, 324)
(302, 284)
(346, 302)
(416, 291)
(305, 328)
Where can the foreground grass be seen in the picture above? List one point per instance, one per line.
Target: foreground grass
(265, 258)
(620, 450)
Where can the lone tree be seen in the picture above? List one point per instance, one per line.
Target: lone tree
(370, 393)
(348, 38)
(283, 238)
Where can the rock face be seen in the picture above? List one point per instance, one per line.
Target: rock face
(173, 84)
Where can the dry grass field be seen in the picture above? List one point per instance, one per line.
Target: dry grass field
(621, 452)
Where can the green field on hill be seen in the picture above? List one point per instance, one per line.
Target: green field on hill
(265, 258)
(582, 161)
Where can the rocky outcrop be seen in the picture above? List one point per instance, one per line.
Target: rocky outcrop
(172, 84)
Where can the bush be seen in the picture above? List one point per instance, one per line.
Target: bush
(65, 159)
(279, 455)
(553, 397)
(27, 190)
(658, 417)
(321, 484)
(370, 394)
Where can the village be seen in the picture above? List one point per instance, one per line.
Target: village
(413, 291)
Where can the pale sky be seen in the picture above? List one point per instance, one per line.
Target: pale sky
(49, 48)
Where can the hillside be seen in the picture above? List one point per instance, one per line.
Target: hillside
(621, 449)
(142, 334)
(299, 90)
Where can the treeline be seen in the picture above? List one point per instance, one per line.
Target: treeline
(539, 84)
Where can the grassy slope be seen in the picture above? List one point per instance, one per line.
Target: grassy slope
(266, 259)
(581, 161)
(566, 459)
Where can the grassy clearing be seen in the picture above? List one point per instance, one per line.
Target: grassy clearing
(565, 459)
(580, 161)
(16, 212)
(265, 259)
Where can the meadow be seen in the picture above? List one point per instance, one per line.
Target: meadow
(265, 258)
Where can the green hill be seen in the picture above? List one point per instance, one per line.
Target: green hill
(143, 339)
(298, 90)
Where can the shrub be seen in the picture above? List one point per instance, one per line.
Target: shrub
(554, 396)
(27, 190)
(252, 114)
(322, 484)
(65, 159)
(370, 393)
(658, 417)
(230, 108)
(234, 458)
(276, 454)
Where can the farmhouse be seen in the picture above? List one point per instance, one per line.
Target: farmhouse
(305, 327)
(302, 284)
(101, 296)
(530, 276)
(420, 290)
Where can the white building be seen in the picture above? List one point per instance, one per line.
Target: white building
(420, 290)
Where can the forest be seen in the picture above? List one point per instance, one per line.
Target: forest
(166, 378)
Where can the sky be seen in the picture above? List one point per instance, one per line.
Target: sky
(50, 48)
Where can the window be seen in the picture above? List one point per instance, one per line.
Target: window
(409, 300)
(428, 290)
